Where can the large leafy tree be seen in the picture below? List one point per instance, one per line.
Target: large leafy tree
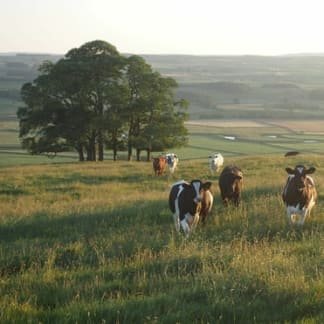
(155, 119)
(75, 89)
(100, 65)
(93, 97)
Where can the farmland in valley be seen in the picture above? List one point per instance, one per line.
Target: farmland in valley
(230, 137)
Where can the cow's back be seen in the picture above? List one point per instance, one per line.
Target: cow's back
(174, 193)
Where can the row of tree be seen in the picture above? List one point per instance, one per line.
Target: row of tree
(94, 99)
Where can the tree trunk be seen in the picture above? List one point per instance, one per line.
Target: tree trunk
(115, 154)
(91, 150)
(100, 147)
(148, 156)
(138, 154)
(129, 157)
(80, 152)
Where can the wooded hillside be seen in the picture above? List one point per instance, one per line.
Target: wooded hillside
(215, 86)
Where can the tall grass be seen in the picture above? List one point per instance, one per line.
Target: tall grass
(95, 243)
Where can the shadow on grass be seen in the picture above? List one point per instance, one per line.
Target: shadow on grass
(74, 238)
(11, 190)
(71, 227)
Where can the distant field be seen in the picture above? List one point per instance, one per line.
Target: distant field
(248, 137)
(306, 126)
(231, 137)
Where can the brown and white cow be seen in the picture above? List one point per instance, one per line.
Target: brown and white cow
(185, 202)
(230, 184)
(299, 193)
(206, 204)
(159, 164)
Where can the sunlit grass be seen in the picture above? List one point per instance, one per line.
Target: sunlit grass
(95, 242)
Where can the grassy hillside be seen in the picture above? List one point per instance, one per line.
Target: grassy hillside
(95, 243)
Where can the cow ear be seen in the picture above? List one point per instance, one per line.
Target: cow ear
(207, 185)
(290, 171)
(310, 170)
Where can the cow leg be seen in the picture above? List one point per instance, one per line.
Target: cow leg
(289, 216)
(176, 222)
(195, 221)
(176, 215)
(307, 211)
(185, 227)
(303, 217)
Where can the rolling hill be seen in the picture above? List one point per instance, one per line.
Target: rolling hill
(290, 86)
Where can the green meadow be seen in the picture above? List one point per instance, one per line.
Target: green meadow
(95, 243)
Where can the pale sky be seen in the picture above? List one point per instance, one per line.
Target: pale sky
(204, 27)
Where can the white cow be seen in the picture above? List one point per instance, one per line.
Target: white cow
(216, 161)
(172, 162)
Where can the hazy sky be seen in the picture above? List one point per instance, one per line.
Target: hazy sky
(208, 27)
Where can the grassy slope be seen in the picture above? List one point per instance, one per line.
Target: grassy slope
(95, 242)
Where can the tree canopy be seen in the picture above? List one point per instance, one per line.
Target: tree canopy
(95, 98)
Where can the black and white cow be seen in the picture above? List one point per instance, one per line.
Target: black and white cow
(185, 202)
(172, 161)
(299, 193)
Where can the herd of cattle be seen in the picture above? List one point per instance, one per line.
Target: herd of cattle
(191, 202)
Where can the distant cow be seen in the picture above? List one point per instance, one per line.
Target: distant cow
(216, 161)
(172, 162)
(185, 202)
(159, 165)
(299, 193)
(291, 153)
(230, 184)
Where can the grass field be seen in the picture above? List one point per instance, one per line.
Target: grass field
(95, 243)
(230, 137)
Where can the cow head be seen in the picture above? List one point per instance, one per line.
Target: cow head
(199, 187)
(299, 175)
(215, 156)
(171, 158)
